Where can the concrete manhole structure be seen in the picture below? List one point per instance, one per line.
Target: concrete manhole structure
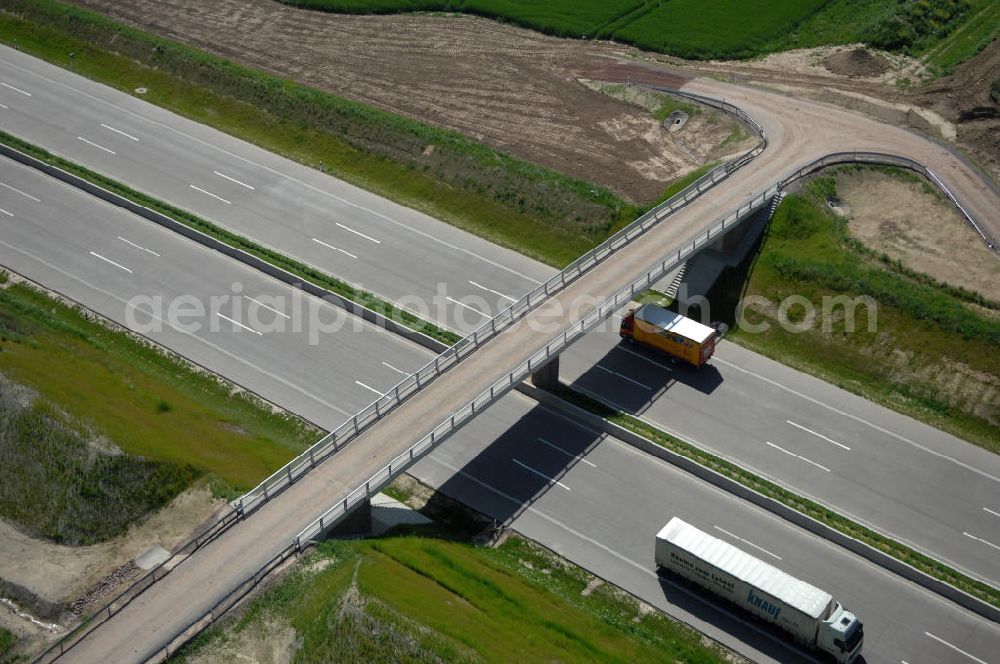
(675, 121)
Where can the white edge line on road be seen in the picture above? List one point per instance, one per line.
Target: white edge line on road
(236, 322)
(643, 357)
(25, 194)
(210, 194)
(987, 509)
(701, 598)
(242, 184)
(351, 230)
(723, 530)
(330, 246)
(980, 539)
(2, 106)
(99, 147)
(819, 435)
(261, 304)
(369, 387)
(956, 648)
(9, 214)
(859, 419)
(577, 457)
(119, 131)
(399, 371)
(148, 251)
(495, 292)
(290, 178)
(623, 377)
(478, 311)
(128, 304)
(23, 92)
(797, 455)
(108, 260)
(542, 475)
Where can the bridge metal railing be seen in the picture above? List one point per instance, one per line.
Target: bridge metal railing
(336, 439)
(554, 347)
(883, 159)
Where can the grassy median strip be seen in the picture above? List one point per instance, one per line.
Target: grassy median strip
(812, 509)
(299, 269)
(537, 211)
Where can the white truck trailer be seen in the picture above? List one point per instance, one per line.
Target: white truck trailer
(808, 614)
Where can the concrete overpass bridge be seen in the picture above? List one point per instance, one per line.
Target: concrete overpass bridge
(310, 496)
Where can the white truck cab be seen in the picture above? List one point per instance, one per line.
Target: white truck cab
(841, 635)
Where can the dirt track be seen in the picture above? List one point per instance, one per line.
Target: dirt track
(515, 89)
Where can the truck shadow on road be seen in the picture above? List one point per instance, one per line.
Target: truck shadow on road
(549, 477)
(632, 377)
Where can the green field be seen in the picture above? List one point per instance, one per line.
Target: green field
(938, 328)
(733, 28)
(93, 383)
(418, 599)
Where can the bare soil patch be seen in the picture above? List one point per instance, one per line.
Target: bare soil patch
(273, 641)
(58, 575)
(857, 62)
(921, 229)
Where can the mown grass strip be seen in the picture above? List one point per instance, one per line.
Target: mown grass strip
(299, 269)
(812, 509)
(537, 211)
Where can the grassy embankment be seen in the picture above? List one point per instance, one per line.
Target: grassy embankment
(946, 32)
(6, 644)
(99, 389)
(536, 211)
(926, 332)
(767, 488)
(423, 599)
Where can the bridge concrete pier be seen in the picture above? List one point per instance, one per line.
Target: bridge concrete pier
(547, 378)
(358, 522)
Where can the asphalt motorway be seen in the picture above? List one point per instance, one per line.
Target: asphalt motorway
(599, 502)
(898, 476)
(596, 501)
(446, 275)
(920, 485)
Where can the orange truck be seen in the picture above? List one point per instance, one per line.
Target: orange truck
(671, 333)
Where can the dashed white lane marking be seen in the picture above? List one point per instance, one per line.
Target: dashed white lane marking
(643, 357)
(2, 106)
(359, 233)
(699, 597)
(550, 480)
(99, 147)
(9, 214)
(108, 260)
(577, 457)
(624, 377)
(987, 509)
(119, 131)
(858, 419)
(25, 194)
(819, 435)
(148, 251)
(208, 193)
(261, 304)
(236, 322)
(23, 92)
(980, 539)
(399, 371)
(495, 292)
(330, 246)
(798, 456)
(242, 184)
(748, 542)
(462, 304)
(955, 648)
(369, 387)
